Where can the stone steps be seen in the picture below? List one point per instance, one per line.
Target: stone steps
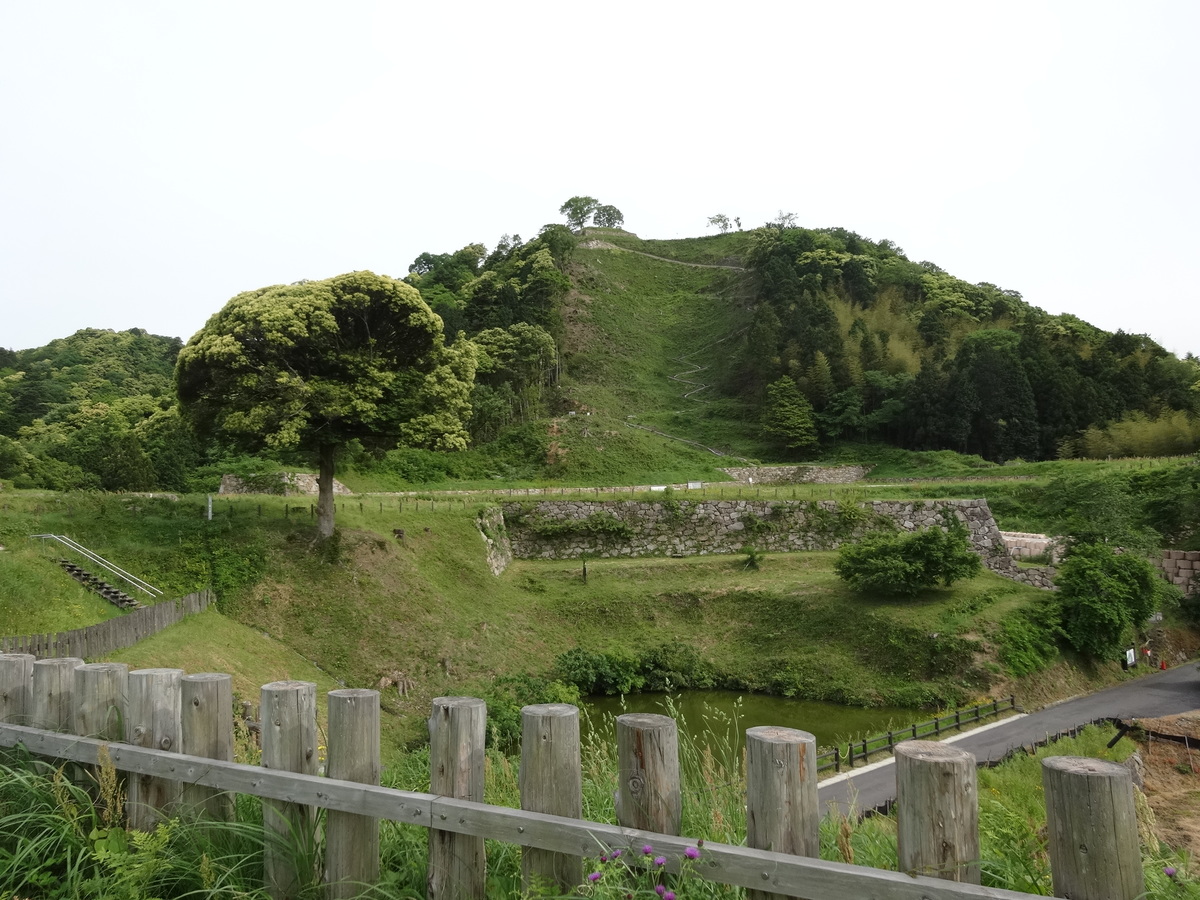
(113, 595)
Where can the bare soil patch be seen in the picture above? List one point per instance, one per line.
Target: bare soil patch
(1172, 779)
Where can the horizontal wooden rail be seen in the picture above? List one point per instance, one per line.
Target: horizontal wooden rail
(763, 870)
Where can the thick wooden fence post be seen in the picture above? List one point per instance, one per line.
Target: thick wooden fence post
(352, 842)
(53, 688)
(16, 688)
(937, 811)
(782, 810)
(648, 792)
(100, 697)
(457, 731)
(206, 729)
(289, 744)
(1092, 826)
(152, 721)
(551, 781)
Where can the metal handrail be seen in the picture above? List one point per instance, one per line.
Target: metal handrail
(144, 586)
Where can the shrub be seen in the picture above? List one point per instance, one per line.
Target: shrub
(505, 699)
(599, 673)
(666, 666)
(1106, 594)
(905, 564)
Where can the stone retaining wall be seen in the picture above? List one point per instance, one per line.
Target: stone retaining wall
(294, 483)
(569, 529)
(495, 537)
(798, 474)
(1023, 543)
(1181, 568)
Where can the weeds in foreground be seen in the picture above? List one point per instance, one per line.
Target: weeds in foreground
(62, 839)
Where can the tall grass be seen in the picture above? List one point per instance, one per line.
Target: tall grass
(60, 839)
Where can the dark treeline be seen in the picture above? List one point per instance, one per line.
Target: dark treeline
(885, 349)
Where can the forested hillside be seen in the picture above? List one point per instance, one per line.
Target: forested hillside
(775, 343)
(95, 410)
(887, 349)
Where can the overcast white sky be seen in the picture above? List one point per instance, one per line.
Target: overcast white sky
(158, 158)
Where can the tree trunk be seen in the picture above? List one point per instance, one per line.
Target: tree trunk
(325, 492)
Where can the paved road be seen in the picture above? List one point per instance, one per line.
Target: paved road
(1159, 694)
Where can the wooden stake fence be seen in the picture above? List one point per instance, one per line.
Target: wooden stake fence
(111, 635)
(781, 792)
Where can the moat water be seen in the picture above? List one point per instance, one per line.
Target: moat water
(727, 714)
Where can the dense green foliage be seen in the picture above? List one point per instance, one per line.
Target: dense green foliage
(881, 349)
(888, 349)
(94, 410)
(1105, 595)
(1029, 637)
(905, 564)
(662, 667)
(788, 417)
(314, 365)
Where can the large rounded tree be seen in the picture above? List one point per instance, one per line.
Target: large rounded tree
(316, 364)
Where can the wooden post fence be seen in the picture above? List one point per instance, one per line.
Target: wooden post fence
(352, 841)
(53, 688)
(111, 635)
(937, 811)
(206, 729)
(16, 688)
(551, 781)
(152, 720)
(289, 744)
(457, 731)
(782, 810)
(648, 789)
(1092, 826)
(100, 692)
(1093, 841)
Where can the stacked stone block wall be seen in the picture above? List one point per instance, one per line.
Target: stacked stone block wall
(1181, 568)
(798, 474)
(569, 529)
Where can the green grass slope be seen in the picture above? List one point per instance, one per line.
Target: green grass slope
(428, 607)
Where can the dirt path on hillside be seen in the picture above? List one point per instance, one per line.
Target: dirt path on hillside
(597, 244)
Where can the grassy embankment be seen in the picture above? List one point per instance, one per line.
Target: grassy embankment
(429, 608)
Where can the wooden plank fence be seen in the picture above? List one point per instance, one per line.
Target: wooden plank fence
(860, 751)
(942, 868)
(111, 635)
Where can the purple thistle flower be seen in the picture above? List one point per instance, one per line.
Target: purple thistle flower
(1169, 871)
(603, 858)
(616, 854)
(669, 895)
(659, 889)
(660, 860)
(647, 849)
(691, 853)
(595, 876)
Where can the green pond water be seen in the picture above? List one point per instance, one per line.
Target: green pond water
(728, 714)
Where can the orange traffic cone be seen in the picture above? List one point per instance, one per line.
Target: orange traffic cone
(1162, 664)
